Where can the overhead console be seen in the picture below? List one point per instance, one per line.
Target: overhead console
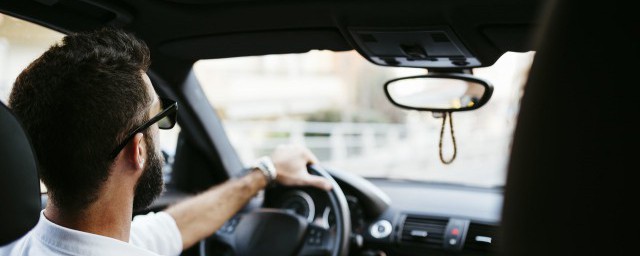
(427, 47)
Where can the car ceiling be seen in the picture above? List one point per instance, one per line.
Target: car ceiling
(203, 29)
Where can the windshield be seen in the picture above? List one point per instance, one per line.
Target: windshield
(334, 103)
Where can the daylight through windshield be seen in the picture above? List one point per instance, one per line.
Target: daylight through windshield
(333, 103)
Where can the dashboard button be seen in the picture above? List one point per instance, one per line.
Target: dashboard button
(380, 229)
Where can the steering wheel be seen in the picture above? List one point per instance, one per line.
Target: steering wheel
(268, 231)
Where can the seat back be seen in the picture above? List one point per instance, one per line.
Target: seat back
(570, 186)
(19, 183)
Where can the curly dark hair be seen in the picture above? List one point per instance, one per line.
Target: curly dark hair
(76, 102)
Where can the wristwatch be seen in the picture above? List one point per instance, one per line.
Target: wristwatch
(268, 169)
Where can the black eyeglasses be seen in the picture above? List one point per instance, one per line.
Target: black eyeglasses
(166, 120)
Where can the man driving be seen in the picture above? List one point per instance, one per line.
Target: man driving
(93, 117)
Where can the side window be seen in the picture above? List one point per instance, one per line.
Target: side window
(21, 42)
(168, 143)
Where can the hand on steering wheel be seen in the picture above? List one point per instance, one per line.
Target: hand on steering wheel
(265, 231)
(291, 163)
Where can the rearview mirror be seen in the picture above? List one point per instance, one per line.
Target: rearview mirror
(439, 92)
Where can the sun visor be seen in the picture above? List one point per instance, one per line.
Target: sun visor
(255, 43)
(434, 47)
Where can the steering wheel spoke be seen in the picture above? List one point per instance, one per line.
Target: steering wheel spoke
(318, 241)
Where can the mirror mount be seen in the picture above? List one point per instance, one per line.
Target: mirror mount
(445, 71)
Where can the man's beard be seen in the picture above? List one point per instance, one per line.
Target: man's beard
(150, 184)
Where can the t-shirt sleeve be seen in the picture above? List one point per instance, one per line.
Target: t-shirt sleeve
(156, 232)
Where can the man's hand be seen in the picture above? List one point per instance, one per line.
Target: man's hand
(291, 165)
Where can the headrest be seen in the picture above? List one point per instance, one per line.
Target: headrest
(19, 183)
(573, 172)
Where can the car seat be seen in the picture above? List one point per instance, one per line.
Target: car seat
(19, 183)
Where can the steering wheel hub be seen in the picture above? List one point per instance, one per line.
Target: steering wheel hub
(269, 232)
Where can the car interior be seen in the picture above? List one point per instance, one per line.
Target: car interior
(567, 189)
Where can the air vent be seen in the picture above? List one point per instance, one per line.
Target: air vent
(420, 230)
(481, 238)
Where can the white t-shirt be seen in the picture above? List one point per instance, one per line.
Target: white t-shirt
(152, 234)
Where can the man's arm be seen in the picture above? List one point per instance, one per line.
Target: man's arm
(202, 215)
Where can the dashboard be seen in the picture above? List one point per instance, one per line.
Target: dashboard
(437, 218)
(396, 217)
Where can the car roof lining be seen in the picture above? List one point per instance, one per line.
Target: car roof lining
(225, 23)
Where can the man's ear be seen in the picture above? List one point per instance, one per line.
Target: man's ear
(138, 151)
